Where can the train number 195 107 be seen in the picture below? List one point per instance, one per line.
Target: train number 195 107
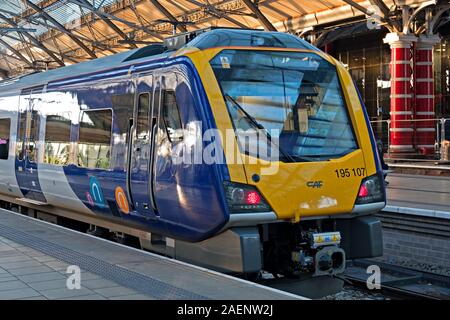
(347, 173)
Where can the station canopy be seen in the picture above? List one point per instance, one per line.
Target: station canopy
(44, 34)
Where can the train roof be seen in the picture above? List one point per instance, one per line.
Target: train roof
(92, 66)
(202, 39)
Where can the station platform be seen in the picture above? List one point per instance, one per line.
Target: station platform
(419, 195)
(416, 222)
(35, 256)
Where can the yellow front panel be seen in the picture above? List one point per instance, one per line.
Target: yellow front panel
(357, 117)
(219, 110)
(311, 188)
(296, 190)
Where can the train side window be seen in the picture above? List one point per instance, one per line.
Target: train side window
(5, 126)
(57, 139)
(123, 106)
(94, 140)
(143, 126)
(171, 116)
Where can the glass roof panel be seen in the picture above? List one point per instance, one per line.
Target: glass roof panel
(63, 11)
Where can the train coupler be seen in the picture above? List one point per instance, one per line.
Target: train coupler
(320, 254)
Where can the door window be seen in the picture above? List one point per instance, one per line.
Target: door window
(171, 116)
(142, 126)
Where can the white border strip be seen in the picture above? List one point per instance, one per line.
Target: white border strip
(426, 146)
(425, 129)
(401, 146)
(400, 96)
(424, 63)
(393, 79)
(400, 62)
(425, 113)
(154, 255)
(425, 80)
(401, 129)
(418, 212)
(412, 166)
(401, 112)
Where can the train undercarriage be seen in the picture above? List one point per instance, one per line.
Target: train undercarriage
(315, 249)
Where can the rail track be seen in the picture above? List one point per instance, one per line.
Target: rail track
(399, 282)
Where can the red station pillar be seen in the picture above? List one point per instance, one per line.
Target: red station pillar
(425, 131)
(401, 129)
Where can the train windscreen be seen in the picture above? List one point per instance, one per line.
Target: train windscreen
(294, 98)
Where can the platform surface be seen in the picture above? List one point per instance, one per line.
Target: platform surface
(420, 195)
(34, 257)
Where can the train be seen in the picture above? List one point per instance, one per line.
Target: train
(238, 150)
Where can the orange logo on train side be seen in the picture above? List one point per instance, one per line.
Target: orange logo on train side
(122, 201)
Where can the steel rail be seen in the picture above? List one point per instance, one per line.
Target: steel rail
(394, 288)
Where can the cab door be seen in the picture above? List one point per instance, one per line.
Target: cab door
(27, 145)
(140, 148)
(170, 193)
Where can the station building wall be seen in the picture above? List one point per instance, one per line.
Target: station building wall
(442, 76)
(367, 59)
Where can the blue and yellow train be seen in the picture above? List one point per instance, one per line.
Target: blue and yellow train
(240, 150)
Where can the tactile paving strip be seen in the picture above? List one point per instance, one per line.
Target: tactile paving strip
(124, 277)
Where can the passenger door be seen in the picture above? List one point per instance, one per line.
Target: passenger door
(169, 193)
(27, 145)
(140, 148)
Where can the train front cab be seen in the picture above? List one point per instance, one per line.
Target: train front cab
(311, 208)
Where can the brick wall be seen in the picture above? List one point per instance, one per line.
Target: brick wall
(404, 247)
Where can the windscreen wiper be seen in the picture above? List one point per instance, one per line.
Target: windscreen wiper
(247, 115)
(258, 126)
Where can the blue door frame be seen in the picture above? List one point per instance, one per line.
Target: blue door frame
(140, 171)
(28, 136)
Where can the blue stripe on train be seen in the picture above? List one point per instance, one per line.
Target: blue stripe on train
(28, 180)
(205, 199)
(372, 142)
(370, 131)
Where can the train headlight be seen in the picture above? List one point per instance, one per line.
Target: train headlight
(243, 198)
(371, 190)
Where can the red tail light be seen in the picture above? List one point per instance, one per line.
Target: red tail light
(253, 197)
(363, 192)
(371, 190)
(243, 198)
